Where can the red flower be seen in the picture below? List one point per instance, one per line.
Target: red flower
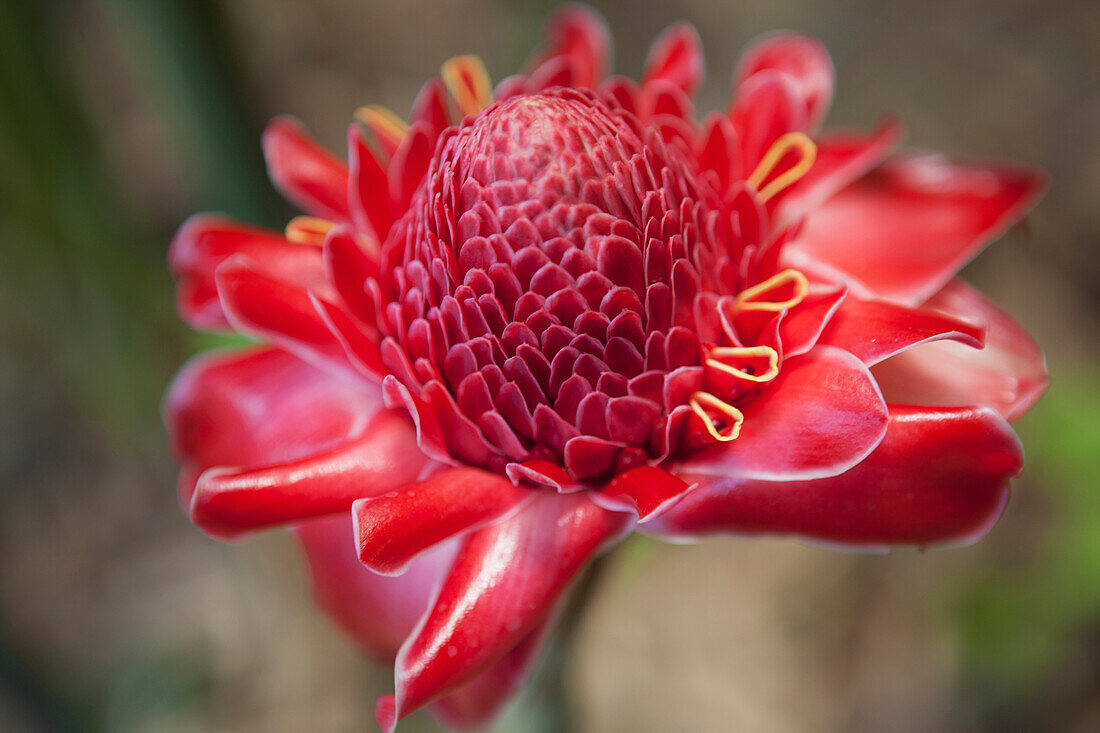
(504, 338)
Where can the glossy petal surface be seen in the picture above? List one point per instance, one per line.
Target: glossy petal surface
(904, 230)
(843, 157)
(277, 311)
(647, 491)
(821, 416)
(206, 240)
(384, 458)
(875, 330)
(260, 406)
(498, 590)
(472, 705)
(376, 611)
(940, 475)
(1009, 374)
(394, 527)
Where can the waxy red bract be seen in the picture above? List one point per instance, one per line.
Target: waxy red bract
(532, 319)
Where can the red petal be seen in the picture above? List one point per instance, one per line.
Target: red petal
(804, 59)
(822, 415)
(260, 406)
(647, 491)
(410, 163)
(842, 158)
(903, 231)
(376, 611)
(542, 473)
(662, 98)
(1009, 374)
(719, 150)
(580, 34)
(430, 106)
(379, 612)
(392, 529)
(230, 501)
(369, 188)
(939, 475)
(307, 174)
(347, 267)
(473, 705)
(764, 108)
(676, 56)
(465, 441)
(429, 436)
(874, 330)
(801, 326)
(620, 91)
(500, 588)
(360, 347)
(206, 240)
(511, 86)
(588, 457)
(557, 72)
(279, 312)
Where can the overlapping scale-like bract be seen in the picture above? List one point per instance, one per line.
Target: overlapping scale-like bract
(545, 295)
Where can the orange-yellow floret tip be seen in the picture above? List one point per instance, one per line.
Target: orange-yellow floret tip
(791, 141)
(383, 122)
(747, 300)
(468, 82)
(721, 357)
(703, 404)
(308, 230)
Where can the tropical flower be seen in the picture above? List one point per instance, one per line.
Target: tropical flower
(538, 317)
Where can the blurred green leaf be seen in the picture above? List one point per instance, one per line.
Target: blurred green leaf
(147, 690)
(1015, 624)
(84, 289)
(194, 73)
(79, 284)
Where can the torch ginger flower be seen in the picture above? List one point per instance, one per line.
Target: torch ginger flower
(538, 317)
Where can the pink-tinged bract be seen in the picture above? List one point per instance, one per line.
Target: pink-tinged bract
(533, 318)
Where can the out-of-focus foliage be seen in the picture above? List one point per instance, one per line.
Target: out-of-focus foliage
(84, 276)
(82, 285)
(1017, 623)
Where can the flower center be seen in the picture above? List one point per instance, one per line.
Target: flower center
(564, 288)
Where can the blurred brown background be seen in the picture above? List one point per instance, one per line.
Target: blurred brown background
(118, 118)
